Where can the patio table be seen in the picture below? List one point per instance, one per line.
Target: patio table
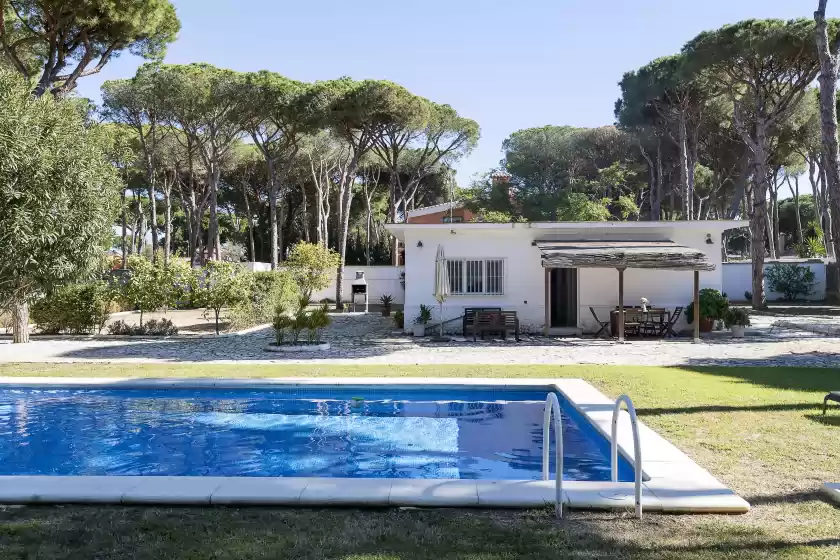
(652, 321)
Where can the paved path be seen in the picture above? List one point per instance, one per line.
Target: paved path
(372, 340)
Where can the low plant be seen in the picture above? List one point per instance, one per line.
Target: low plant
(74, 309)
(288, 326)
(713, 305)
(790, 280)
(399, 319)
(748, 295)
(153, 327)
(425, 315)
(737, 317)
(386, 300)
(160, 327)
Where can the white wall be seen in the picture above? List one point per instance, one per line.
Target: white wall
(525, 276)
(381, 280)
(737, 279)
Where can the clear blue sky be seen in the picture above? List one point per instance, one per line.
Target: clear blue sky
(508, 65)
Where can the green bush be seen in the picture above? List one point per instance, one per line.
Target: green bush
(713, 305)
(156, 285)
(399, 319)
(220, 285)
(155, 327)
(268, 290)
(74, 309)
(312, 266)
(790, 280)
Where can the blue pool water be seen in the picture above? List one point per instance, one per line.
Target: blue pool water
(326, 432)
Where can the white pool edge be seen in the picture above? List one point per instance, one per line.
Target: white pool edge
(673, 482)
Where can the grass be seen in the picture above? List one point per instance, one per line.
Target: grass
(759, 430)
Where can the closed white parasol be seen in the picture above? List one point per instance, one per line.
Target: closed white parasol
(441, 282)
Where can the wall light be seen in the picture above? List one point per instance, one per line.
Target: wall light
(709, 240)
(420, 244)
(452, 231)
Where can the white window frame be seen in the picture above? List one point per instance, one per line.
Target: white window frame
(464, 266)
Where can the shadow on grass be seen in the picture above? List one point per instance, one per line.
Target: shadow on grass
(795, 372)
(827, 420)
(726, 408)
(175, 533)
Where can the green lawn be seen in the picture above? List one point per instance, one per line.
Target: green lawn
(757, 429)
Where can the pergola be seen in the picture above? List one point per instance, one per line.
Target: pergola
(621, 255)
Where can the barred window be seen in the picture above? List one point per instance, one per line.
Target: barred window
(476, 276)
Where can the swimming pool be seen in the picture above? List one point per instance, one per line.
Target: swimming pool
(478, 433)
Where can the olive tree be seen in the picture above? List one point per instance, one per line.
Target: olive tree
(59, 195)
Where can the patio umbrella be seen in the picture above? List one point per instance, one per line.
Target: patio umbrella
(441, 282)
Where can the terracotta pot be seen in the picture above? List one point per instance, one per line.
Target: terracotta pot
(706, 324)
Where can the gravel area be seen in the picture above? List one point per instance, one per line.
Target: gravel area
(372, 339)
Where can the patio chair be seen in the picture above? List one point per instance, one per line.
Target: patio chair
(605, 325)
(668, 328)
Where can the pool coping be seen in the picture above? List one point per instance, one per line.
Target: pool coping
(673, 482)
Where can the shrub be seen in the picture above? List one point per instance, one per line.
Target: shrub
(399, 319)
(160, 327)
(156, 285)
(268, 290)
(713, 305)
(790, 280)
(312, 266)
(155, 327)
(74, 309)
(222, 284)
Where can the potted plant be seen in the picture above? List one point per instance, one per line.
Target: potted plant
(399, 319)
(420, 322)
(386, 300)
(713, 306)
(737, 319)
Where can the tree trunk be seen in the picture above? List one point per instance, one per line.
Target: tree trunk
(768, 220)
(758, 215)
(124, 230)
(213, 232)
(250, 217)
(20, 322)
(345, 198)
(304, 213)
(683, 150)
(167, 231)
(281, 219)
(153, 212)
(828, 119)
(799, 233)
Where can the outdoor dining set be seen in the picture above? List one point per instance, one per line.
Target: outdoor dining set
(655, 322)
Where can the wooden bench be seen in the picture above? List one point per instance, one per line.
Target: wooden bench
(469, 316)
(495, 322)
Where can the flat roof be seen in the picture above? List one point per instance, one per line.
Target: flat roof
(398, 230)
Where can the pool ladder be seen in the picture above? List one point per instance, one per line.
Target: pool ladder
(552, 409)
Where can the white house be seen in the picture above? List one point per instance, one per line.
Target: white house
(552, 273)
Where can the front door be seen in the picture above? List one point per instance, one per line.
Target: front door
(564, 304)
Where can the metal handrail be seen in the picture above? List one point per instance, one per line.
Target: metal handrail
(552, 405)
(637, 467)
